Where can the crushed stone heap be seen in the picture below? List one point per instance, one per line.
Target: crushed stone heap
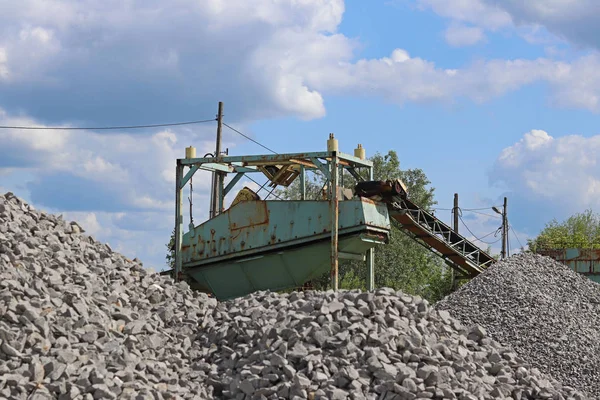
(549, 314)
(78, 321)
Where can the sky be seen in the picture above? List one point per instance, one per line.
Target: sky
(490, 98)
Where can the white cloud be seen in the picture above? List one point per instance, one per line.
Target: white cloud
(560, 171)
(536, 21)
(479, 12)
(4, 74)
(181, 53)
(459, 35)
(401, 79)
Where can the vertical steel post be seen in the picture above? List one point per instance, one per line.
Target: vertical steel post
(334, 206)
(178, 220)
(302, 182)
(371, 256)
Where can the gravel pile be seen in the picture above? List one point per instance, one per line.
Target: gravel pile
(78, 321)
(549, 314)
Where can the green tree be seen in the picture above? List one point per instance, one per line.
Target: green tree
(581, 231)
(170, 258)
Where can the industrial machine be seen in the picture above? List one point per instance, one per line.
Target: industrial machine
(262, 244)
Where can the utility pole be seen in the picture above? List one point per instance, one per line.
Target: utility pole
(504, 228)
(218, 178)
(504, 231)
(455, 215)
(455, 211)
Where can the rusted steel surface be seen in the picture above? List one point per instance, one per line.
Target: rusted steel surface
(583, 261)
(272, 159)
(253, 226)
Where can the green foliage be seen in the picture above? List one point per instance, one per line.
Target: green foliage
(581, 231)
(171, 251)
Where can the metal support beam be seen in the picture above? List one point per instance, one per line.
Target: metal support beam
(277, 159)
(334, 206)
(232, 183)
(351, 256)
(302, 182)
(370, 253)
(323, 168)
(178, 221)
(355, 174)
(189, 175)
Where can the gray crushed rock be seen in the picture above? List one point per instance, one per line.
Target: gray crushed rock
(549, 314)
(380, 345)
(79, 321)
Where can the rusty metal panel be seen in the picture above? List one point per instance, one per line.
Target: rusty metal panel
(583, 261)
(253, 226)
(249, 214)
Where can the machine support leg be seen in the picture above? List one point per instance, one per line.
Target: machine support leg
(178, 221)
(371, 256)
(334, 202)
(302, 182)
(371, 270)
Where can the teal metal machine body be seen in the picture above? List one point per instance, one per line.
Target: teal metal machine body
(259, 245)
(277, 244)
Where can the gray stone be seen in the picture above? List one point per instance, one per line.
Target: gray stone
(80, 321)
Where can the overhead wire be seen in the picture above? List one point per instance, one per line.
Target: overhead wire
(478, 209)
(473, 210)
(279, 198)
(516, 236)
(481, 213)
(98, 128)
(474, 235)
(249, 138)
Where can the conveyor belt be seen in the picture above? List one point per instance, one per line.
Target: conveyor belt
(458, 252)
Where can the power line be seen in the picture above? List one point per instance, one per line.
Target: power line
(477, 209)
(249, 138)
(474, 235)
(481, 213)
(473, 210)
(515, 234)
(97, 128)
(261, 186)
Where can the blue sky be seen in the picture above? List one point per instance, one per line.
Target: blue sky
(489, 98)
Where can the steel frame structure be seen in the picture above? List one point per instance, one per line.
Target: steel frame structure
(330, 163)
